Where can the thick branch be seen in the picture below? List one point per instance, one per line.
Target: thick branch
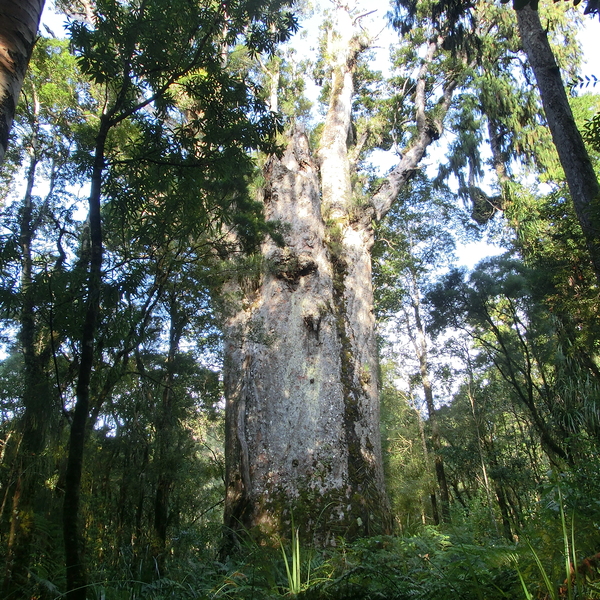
(429, 129)
(344, 46)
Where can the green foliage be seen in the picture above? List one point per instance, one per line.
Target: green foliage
(590, 8)
(428, 566)
(408, 472)
(456, 18)
(591, 132)
(554, 556)
(414, 242)
(294, 571)
(171, 128)
(499, 107)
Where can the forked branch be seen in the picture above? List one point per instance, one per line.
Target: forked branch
(430, 126)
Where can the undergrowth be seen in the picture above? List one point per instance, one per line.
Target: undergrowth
(430, 565)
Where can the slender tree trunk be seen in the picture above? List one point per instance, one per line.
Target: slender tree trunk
(36, 401)
(76, 574)
(32, 423)
(436, 442)
(581, 178)
(484, 472)
(504, 512)
(19, 22)
(499, 489)
(419, 341)
(166, 437)
(432, 497)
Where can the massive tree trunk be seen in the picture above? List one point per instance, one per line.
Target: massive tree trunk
(19, 21)
(301, 373)
(581, 178)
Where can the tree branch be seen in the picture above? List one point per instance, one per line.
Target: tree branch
(429, 129)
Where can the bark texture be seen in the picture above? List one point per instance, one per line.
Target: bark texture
(301, 372)
(19, 21)
(302, 414)
(581, 178)
(301, 361)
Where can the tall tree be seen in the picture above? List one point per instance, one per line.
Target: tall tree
(19, 21)
(301, 373)
(574, 158)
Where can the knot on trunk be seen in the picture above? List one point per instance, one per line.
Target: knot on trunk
(290, 266)
(434, 129)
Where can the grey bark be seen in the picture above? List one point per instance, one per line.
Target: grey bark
(301, 382)
(429, 129)
(301, 371)
(19, 21)
(581, 178)
(301, 362)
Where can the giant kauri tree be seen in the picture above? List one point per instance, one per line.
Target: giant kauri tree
(301, 372)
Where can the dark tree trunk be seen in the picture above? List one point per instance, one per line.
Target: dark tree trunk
(581, 178)
(76, 573)
(504, 512)
(166, 437)
(19, 21)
